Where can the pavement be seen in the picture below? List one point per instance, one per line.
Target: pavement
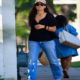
(44, 73)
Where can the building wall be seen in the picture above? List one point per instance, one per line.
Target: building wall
(1, 43)
(9, 40)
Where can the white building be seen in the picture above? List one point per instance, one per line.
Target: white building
(65, 1)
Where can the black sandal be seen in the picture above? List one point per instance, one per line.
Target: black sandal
(65, 74)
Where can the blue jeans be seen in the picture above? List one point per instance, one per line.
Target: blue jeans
(49, 48)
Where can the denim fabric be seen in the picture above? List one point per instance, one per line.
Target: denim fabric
(49, 48)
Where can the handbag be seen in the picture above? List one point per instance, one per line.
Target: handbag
(43, 58)
(68, 39)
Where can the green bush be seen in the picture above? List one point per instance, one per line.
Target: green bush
(75, 64)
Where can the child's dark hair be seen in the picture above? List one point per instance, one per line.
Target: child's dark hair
(61, 21)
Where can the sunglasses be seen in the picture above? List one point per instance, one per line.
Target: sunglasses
(37, 4)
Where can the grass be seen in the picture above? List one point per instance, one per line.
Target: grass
(75, 64)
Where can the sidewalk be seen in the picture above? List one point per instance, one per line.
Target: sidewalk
(44, 73)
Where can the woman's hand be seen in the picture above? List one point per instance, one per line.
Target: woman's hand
(52, 29)
(78, 36)
(39, 26)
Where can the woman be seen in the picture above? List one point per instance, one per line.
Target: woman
(43, 26)
(62, 51)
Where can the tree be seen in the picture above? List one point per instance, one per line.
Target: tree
(22, 9)
(67, 10)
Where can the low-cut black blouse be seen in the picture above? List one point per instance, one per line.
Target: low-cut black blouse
(43, 34)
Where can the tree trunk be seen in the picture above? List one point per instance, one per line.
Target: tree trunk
(51, 6)
(65, 9)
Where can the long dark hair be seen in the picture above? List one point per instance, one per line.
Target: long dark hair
(61, 21)
(33, 13)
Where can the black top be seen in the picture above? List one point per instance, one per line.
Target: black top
(43, 34)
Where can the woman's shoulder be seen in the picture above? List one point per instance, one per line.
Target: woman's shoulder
(50, 15)
(70, 26)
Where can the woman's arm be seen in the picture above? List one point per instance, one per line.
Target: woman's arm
(39, 26)
(52, 29)
(77, 36)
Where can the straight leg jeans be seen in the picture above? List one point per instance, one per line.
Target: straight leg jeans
(49, 49)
